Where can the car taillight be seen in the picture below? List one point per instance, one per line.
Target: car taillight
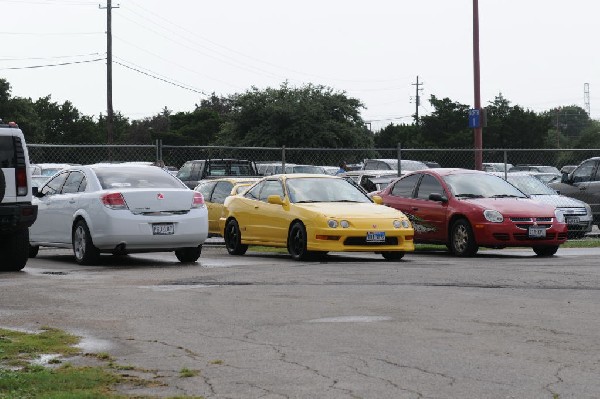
(198, 200)
(114, 201)
(21, 180)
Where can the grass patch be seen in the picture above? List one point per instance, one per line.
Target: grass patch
(21, 378)
(186, 373)
(258, 248)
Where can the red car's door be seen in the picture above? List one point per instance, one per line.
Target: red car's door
(432, 214)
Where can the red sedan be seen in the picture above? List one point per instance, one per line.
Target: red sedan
(465, 209)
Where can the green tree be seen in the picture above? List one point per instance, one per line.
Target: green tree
(513, 127)
(447, 126)
(310, 116)
(409, 136)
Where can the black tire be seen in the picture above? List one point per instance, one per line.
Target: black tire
(15, 250)
(297, 242)
(462, 239)
(392, 255)
(33, 250)
(545, 250)
(188, 255)
(233, 238)
(83, 247)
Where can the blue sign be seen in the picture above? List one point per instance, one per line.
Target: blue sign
(474, 118)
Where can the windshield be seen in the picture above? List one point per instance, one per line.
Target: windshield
(315, 189)
(481, 185)
(530, 185)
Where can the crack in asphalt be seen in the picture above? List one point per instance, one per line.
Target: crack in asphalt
(422, 370)
(559, 379)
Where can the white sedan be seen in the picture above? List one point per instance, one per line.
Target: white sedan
(119, 209)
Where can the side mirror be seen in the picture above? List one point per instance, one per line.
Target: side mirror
(275, 199)
(438, 197)
(34, 191)
(377, 199)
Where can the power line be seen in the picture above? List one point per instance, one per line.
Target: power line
(53, 65)
(161, 79)
(48, 58)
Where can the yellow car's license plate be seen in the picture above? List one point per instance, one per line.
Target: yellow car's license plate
(376, 236)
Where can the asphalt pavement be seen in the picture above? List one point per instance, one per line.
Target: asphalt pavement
(504, 324)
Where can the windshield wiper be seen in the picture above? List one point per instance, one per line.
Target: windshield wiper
(307, 201)
(505, 196)
(470, 195)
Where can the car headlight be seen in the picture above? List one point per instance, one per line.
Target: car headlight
(334, 223)
(588, 210)
(493, 216)
(405, 223)
(397, 224)
(560, 216)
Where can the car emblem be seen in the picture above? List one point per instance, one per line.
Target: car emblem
(160, 196)
(374, 226)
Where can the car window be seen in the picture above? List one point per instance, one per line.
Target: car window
(253, 193)
(222, 190)
(406, 186)
(72, 183)
(584, 172)
(54, 185)
(185, 172)
(429, 185)
(7, 152)
(135, 177)
(271, 187)
(206, 188)
(316, 189)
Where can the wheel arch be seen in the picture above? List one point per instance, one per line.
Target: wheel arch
(453, 220)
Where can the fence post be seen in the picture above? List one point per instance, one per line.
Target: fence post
(399, 155)
(283, 159)
(505, 165)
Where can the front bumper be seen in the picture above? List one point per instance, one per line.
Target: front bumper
(355, 240)
(515, 233)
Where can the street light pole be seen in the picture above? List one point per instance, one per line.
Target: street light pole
(477, 131)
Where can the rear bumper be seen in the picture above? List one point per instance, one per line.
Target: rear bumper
(17, 216)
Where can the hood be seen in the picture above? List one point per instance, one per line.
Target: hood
(352, 210)
(559, 201)
(518, 207)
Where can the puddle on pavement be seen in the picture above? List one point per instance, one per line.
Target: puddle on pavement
(163, 288)
(94, 345)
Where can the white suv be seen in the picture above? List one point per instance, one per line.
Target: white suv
(16, 211)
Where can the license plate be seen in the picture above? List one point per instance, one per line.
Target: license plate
(572, 220)
(163, 229)
(376, 236)
(537, 232)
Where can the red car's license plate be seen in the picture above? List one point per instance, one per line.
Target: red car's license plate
(537, 232)
(162, 229)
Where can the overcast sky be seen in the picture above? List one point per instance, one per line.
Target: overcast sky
(538, 53)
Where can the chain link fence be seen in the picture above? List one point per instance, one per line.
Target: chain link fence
(177, 155)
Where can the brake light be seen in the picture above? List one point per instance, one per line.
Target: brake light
(114, 201)
(198, 200)
(21, 180)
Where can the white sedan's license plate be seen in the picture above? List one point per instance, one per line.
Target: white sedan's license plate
(572, 220)
(376, 236)
(537, 232)
(162, 229)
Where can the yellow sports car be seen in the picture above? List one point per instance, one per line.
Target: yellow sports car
(311, 215)
(214, 192)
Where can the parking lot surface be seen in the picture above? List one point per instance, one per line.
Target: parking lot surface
(504, 324)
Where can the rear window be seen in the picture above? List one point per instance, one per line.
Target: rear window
(7, 152)
(136, 177)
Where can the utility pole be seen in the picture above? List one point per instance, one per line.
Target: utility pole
(109, 104)
(586, 98)
(478, 131)
(417, 99)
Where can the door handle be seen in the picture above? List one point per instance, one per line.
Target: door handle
(582, 188)
(71, 201)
